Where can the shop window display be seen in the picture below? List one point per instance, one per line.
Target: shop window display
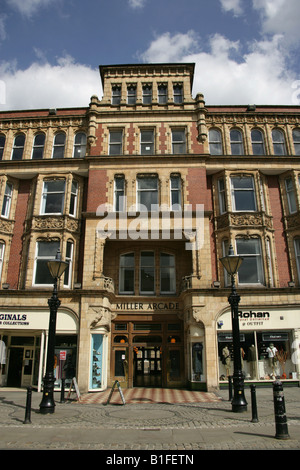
(264, 356)
(65, 360)
(96, 375)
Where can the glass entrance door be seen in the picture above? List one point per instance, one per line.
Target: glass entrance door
(147, 366)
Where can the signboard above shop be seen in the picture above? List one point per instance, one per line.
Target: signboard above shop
(37, 320)
(257, 318)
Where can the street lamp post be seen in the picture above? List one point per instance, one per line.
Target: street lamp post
(231, 263)
(56, 268)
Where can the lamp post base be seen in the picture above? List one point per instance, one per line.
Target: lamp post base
(239, 402)
(47, 404)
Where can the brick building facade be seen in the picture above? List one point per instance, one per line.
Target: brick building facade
(143, 191)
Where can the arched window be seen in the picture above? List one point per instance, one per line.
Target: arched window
(258, 145)
(215, 142)
(126, 275)
(236, 142)
(59, 145)
(2, 145)
(38, 147)
(18, 147)
(79, 145)
(296, 140)
(278, 142)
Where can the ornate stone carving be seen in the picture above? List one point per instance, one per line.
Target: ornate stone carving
(6, 226)
(103, 317)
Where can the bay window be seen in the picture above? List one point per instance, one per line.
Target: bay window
(243, 193)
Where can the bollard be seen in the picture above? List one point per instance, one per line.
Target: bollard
(279, 408)
(28, 407)
(230, 387)
(62, 391)
(253, 404)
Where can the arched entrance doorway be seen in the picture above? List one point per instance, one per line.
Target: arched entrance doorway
(148, 352)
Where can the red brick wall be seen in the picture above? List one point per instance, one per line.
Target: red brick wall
(97, 149)
(14, 262)
(96, 194)
(198, 193)
(280, 240)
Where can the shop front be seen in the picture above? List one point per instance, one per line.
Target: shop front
(23, 346)
(269, 340)
(147, 349)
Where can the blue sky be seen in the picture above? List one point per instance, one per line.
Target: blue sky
(245, 51)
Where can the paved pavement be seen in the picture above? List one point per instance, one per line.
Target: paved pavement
(176, 428)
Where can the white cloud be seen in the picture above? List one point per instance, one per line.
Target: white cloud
(42, 85)
(28, 7)
(168, 48)
(232, 5)
(137, 3)
(280, 17)
(225, 76)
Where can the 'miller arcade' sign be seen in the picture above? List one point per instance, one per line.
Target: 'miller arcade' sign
(149, 306)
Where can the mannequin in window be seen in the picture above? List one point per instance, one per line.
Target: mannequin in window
(226, 360)
(272, 357)
(252, 361)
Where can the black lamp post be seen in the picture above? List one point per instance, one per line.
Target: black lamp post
(56, 268)
(231, 263)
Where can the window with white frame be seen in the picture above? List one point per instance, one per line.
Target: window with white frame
(147, 272)
(69, 260)
(178, 141)
(178, 93)
(243, 193)
(79, 150)
(126, 274)
(147, 142)
(59, 142)
(45, 251)
(278, 142)
(251, 269)
(162, 94)
(167, 274)
(147, 193)
(258, 144)
(2, 249)
(175, 190)
(116, 95)
(147, 94)
(115, 142)
(291, 195)
(73, 198)
(119, 193)
(222, 195)
(53, 196)
(38, 147)
(215, 142)
(297, 253)
(296, 140)
(236, 142)
(131, 94)
(7, 200)
(225, 249)
(2, 145)
(18, 147)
